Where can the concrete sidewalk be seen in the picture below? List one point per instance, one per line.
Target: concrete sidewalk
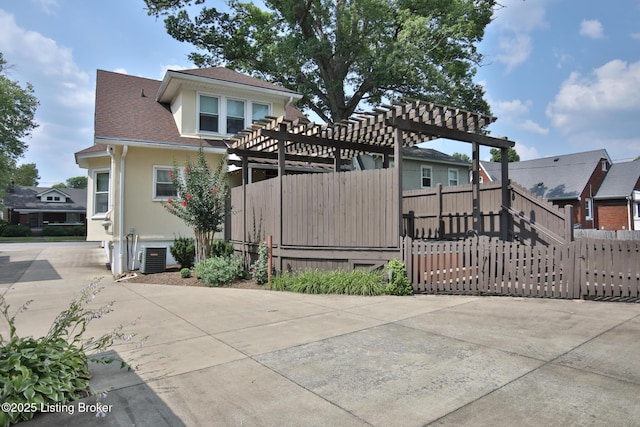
(236, 357)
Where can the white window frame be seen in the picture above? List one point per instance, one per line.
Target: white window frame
(449, 180)
(422, 177)
(227, 116)
(154, 187)
(94, 190)
(588, 209)
(222, 112)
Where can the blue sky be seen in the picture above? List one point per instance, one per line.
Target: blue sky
(562, 76)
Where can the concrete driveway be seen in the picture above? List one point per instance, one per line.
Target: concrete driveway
(235, 357)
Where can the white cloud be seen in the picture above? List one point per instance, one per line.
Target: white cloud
(47, 6)
(525, 152)
(513, 113)
(591, 28)
(514, 51)
(514, 23)
(635, 36)
(120, 70)
(601, 109)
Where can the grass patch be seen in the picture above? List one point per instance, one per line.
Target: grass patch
(356, 282)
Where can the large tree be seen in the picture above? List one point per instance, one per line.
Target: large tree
(17, 110)
(344, 53)
(26, 174)
(512, 155)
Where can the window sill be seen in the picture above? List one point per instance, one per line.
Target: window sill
(100, 216)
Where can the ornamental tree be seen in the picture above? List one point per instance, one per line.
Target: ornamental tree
(200, 200)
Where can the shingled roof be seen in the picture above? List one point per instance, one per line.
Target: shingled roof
(620, 181)
(553, 178)
(23, 198)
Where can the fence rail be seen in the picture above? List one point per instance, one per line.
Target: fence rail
(587, 268)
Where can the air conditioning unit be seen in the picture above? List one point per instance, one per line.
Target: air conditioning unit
(154, 259)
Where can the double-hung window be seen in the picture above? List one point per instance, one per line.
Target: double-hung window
(101, 193)
(425, 176)
(235, 116)
(209, 114)
(453, 176)
(163, 187)
(258, 111)
(588, 208)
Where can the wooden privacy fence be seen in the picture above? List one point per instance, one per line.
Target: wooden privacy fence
(447, 213)
(325, 221)
(587, 268)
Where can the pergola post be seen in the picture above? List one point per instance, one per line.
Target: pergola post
(281, 173)
(505, 217)
(245, 181)
(475, 184)
(397, 163)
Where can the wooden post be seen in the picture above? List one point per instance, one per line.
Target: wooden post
(397, 156)
(245, 168)
(439, 221)
(568, 223)
(281, 173)
(269, 257)
(475, 184)
(337, 160)
(505, 218)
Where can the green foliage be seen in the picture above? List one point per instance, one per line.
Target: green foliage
(512, 155)
(219, 270)
(13, 230)
(356, 282)
(3, 225)
(398, 284)
(63, 230)
(26, 174)
(222, 248)
(260, 269)
(461, 156)
(77, 182)
(183, 251)
(52, 369)
(202, 195)
(339, 54)
(185, 273)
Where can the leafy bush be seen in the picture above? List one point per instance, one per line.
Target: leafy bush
(12, 230)
(398, 284)
(260, 269)
(52, 369)
(219, 270)
(356, 282)
(3, 224)
(183, 251)
(78, 230)
(221, 248)
(53, 230)
(185, 273)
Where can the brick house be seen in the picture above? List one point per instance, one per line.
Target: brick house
(570, 179)
(617, 202)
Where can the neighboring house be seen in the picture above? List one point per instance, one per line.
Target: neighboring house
(141, 127)
(423, 168)
(617, 202)
(570, 179)
(37, 207)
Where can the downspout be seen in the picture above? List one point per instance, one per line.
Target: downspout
(629, 213)
(121, 211)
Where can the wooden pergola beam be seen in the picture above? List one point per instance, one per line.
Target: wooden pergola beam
(272, 155)
(326, 142)
(444, 132)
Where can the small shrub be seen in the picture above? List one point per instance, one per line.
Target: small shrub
(399, 284)
(53, 230)
(260, 269)
(219, 270)
(12, 230)
(185, 273)
(3, 224)
(221, 248)
(183, 251)
(78, 230)
(53, 369)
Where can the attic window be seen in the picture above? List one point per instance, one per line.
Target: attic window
(604, 166)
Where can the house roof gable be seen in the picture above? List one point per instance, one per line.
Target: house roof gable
(28, 198)
(620, 181)
(552, 178)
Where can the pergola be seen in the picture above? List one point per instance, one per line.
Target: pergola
(384, 131)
